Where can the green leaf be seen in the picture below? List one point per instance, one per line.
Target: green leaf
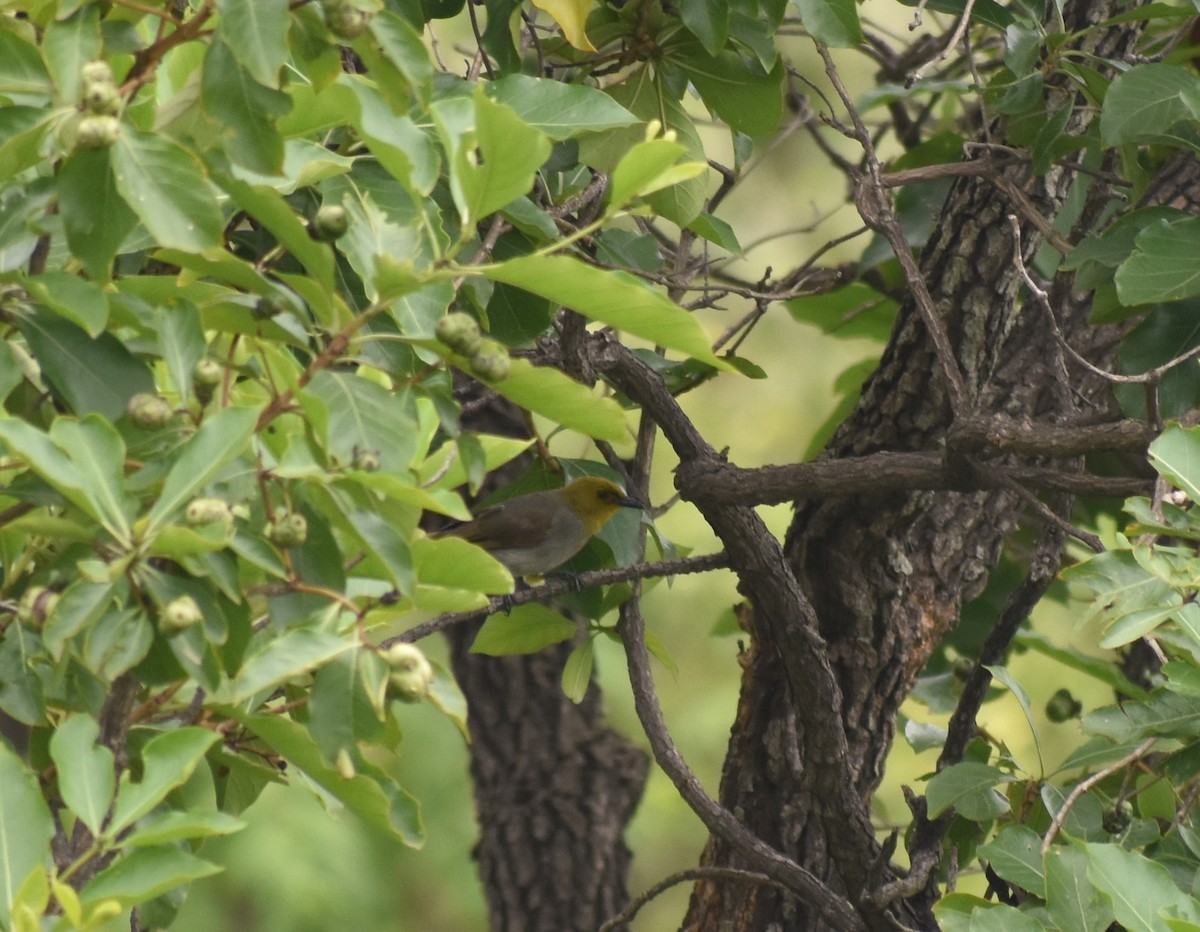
(833, 22)
(68, 45)
(970, 788)
(85, 769)
(80, 606)
(1148, 100)
(717, 231)
(577, 671)
(347, 702)
(273, 212)
(404, 48)
(92, 376)
(1140, 889)
(168, 760)
(387, 545)
(644, 169)
(172, 826)
(245, 109)
(1164, 713)
(453, 563)
(708, 21)
(1074, 903)
(524, 630)
(550, 393)
(1015, 854)
(1002, 675)
(98, 452)
(145, 874)
(287, 656)
(384, 805)
(366, 418)
(180, 341)
(561, 111)
(1175, 454)
(220, 439)
(614, 298)
(737, 89)
(402, 147)
(79, 301)
(497, 163)
(21, 69)
(165, 186)
(257, 35)
(1165, 266)
(45, 459)
(26, 827)
(447, 698)
(644, 93)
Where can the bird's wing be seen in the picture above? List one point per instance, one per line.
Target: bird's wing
(525, 528)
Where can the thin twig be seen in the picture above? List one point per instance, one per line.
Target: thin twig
(1084, 785)
(686, 876)
(559, 587)
(1149, 377)
(877, 213)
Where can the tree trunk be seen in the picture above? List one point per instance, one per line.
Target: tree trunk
(554, 790)
(888, 575)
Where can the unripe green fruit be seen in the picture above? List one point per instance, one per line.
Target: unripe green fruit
(208, 372)
(411, 673)
(288, 530)
(460, 332)
(149, 412)
(178, 615)
(207, 510)
(102, 97)
(267, 307)
(963, 668)
(36, 606)
(346, 21)
(490, 362)
(96, 72)
(330, 222)
(1062, 707)
(97, 132)
(1117, 819)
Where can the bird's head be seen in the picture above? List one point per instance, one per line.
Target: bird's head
(596, 500)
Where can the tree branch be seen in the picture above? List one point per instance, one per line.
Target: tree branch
(832, 908)
(554, 588)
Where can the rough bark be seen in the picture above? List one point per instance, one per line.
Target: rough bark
(887, 575)
(554, 790)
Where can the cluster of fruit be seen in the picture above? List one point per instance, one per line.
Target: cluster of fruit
(485, 358)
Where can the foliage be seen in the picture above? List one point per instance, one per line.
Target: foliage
(228, 234)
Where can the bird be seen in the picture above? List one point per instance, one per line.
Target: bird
(536, 533)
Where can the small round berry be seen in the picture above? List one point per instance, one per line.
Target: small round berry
(207, 510)
(411, 672)
(36, 606)
(288, 530)
(491, 362)
(329, 223)
(97, 132)
(149, 412)
(178, 615)
(460, 332)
